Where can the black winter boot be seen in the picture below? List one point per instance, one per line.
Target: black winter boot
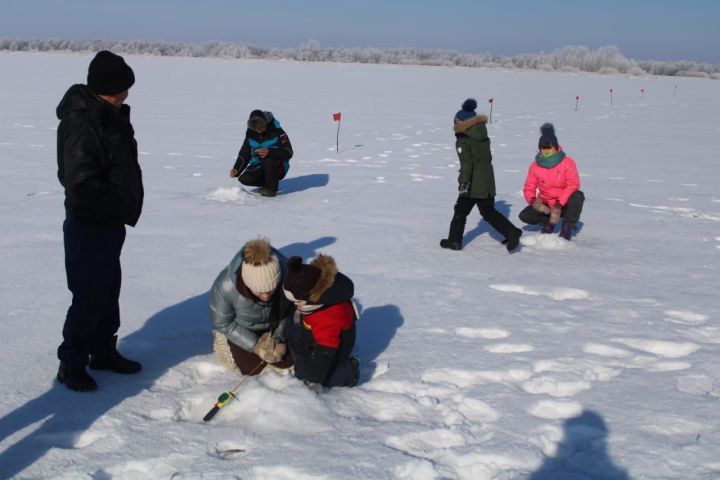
(566, 230)
(113, 361)
(513, 239)
(355, 364)
(445, 243)
(75, 377)
(547, 228)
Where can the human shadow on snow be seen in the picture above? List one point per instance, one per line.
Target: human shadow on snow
(582, 452)
(484, 227)
(168, 338)
(307, 250)
(303, 182)
(375, 329)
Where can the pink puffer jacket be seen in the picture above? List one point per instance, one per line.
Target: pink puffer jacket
(552, 185)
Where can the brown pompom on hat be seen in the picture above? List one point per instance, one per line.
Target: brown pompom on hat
(260, 268)
(108, 74)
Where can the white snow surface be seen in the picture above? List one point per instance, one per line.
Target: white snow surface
(597, 358)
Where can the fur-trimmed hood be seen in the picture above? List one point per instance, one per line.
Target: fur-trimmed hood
(320, 279)
(462, 127)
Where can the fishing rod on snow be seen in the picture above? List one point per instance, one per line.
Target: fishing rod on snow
(226, 397)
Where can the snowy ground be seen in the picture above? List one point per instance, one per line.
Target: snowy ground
(597, 358)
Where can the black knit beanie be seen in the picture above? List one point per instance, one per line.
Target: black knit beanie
(547, 136)
(301, 278)
(108, 74)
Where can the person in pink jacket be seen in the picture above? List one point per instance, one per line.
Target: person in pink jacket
(552, 187)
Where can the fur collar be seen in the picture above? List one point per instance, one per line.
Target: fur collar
(463, 126)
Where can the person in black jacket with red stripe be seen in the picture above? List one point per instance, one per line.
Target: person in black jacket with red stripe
(98, 167)
(264, 158)
(323, 335)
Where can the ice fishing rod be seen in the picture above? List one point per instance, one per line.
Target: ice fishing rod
(225, 397)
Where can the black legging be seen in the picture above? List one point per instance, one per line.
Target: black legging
(570, 212)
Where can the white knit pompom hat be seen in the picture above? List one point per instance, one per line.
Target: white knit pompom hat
(260, 268)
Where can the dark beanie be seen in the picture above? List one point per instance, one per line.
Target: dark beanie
(467, 110)
(547, 135)
(108, 74)
(300, 278)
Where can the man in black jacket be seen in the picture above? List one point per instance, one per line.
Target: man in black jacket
(98, 167)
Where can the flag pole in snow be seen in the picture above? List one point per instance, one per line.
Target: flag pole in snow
(577, 100)
(611, 96)
(337, 118)
(642, 93)
(490, 101)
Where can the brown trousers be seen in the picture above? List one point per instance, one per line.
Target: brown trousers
(248, 362)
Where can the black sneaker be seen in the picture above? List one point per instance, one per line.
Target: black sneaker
(75, 377)
(513, 239)
(445, 243)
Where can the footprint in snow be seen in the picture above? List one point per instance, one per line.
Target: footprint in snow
(556, 387)
(554, 293)
(505, 348)
(685, 318)
(555, 409)
(485, 333)
(660, 348)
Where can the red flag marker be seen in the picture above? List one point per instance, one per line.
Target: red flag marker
(611, 92)
(577, 100)
(336, 118)
(490, 101)
(642, 93)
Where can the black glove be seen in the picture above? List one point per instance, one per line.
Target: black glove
(463, 188)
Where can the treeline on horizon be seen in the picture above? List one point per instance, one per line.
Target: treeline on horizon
(604, 60)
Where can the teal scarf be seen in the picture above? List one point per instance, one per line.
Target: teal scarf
(550, 161)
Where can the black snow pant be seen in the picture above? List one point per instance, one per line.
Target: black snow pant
(92, 265)
(486, 206)
(268, 175)
(318, 364)
(570, 212)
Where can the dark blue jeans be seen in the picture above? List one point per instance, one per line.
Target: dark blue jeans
(92, 264)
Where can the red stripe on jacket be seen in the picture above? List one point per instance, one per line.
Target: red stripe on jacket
(327, 324)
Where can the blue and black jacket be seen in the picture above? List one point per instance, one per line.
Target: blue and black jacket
(274, 139)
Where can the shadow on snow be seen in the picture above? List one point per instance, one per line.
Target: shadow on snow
(168, 338)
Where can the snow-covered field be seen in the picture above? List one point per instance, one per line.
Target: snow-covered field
(597, 358)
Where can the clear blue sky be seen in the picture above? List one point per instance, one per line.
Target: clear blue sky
(642, 29)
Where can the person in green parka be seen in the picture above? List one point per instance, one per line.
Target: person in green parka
(476, 182)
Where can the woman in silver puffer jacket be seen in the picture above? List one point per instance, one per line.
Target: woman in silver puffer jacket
(249, 313)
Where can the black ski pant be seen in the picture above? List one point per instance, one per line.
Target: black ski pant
(268, 175)
(486, 206)
(92, 265)
(570, 212)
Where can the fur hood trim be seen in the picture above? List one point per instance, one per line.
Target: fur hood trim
(461, 127)
(328, 272)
